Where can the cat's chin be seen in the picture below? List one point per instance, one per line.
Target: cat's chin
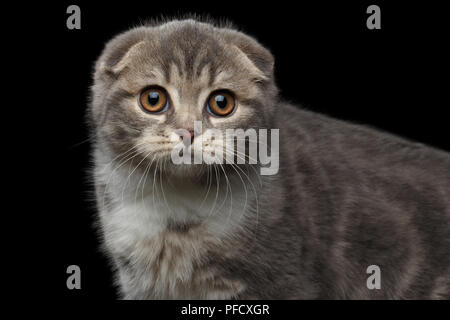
(186, 170)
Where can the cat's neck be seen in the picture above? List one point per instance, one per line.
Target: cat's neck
(220, 196)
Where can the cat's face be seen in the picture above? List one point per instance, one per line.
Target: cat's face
(153, 81)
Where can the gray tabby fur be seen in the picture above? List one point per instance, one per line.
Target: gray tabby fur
(346, 196)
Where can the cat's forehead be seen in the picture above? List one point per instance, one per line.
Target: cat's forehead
(184, 67)
(188, 55)
(188, 52)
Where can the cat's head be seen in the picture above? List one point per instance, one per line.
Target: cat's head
(152, 83)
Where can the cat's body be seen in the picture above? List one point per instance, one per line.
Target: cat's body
(346, 197)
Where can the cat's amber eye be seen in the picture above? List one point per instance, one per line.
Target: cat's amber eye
(154, 99)
(221, 103)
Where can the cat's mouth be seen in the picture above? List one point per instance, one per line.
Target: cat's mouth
(162, 163)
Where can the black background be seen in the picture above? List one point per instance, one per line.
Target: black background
(395, 79)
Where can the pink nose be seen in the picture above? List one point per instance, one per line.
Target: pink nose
(187, 135)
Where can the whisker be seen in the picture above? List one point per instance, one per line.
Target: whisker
(245, 188)
(128, 178)
(217, 192)
(208, 182)
(256, 197)
(162, 188)
(231, 193)
(145, 179)
(130, 154)
(80, 143)
(140, 180)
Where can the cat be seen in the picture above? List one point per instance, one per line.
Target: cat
(345, 197)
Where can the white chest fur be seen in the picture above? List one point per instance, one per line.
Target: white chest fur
(157, 260)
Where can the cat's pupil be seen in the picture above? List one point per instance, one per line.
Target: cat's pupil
(221, 101)
(153, 98)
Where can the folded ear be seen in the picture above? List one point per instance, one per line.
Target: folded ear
(259, 58)
(119, 52)
(125, 60)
